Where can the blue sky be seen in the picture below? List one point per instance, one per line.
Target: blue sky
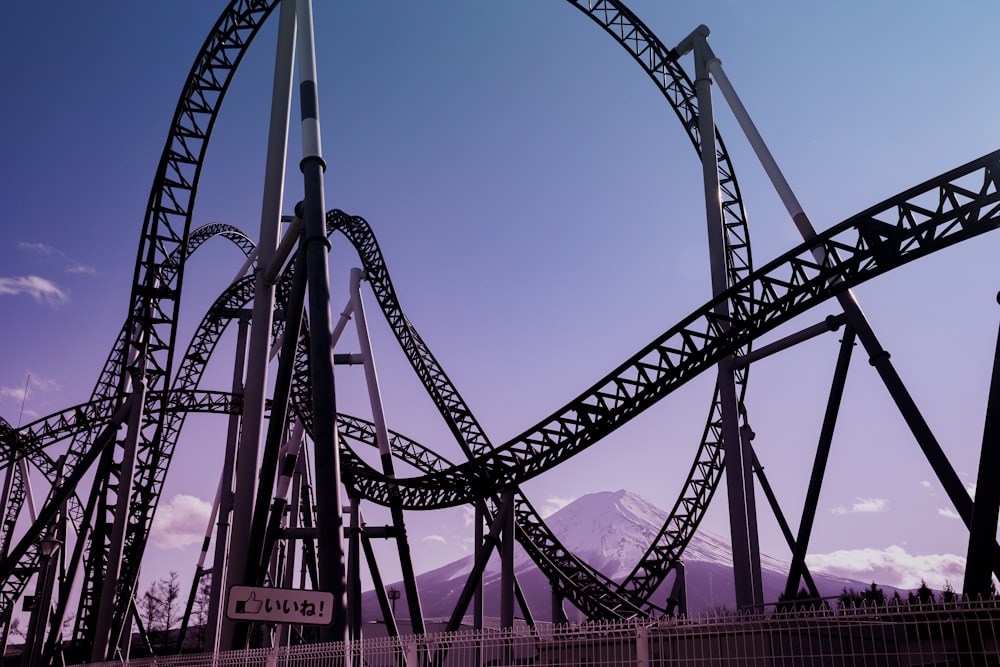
(541, 214)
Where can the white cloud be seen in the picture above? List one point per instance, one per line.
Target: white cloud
(926, 484)
(180, 522)
(39, 248)
(17, 393)
(36, 385)
(870, 505)
(892, 566)
(76, 267)
(435, 538)
(862, 506)
(553, 504)
(40, 289)
(948, 513)
(46, 250)
(468, 516)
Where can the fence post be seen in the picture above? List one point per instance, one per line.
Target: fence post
(642, 646)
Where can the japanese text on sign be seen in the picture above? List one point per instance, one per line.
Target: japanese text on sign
(279, 605)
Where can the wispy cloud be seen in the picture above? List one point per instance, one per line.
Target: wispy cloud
(180, 522)
(435, 538)
(42, 249)
(36, 384)
(45, 250)
(81, 269)
(892, 566)
(948, 513)
(40, 289)
(553, 504)
(863, 506)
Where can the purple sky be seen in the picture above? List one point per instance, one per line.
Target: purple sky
(541, 213)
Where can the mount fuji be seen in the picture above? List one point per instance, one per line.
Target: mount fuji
(610, 531)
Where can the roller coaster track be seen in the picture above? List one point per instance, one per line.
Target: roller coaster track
(588, 589)
(934, 215)
(589, 585)
(941, 212)
(644, 47)
(953, 207)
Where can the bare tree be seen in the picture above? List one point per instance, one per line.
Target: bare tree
(202, 602)
(170, 591)
(151, 608)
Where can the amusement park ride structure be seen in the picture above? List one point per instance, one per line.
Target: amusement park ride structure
(293, 465)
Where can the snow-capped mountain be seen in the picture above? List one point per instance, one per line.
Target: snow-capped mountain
(610, 531)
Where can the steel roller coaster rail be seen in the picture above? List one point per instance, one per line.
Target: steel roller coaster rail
(144, 380)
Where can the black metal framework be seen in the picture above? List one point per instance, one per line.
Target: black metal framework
(953, 207)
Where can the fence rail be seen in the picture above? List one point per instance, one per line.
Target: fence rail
(960, 633)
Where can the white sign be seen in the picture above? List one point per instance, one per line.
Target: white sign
(279, 605)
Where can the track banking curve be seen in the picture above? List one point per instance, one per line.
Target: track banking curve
(953, 207)
(934, 215)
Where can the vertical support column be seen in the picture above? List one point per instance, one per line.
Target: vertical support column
(7, 531)
(677, 600)
(474, 579)
(354, 572)
(220, 631)
(330, 520)
(742, 523)
(507, 562)
(6, 535)
(750, 498)
(263, 307)
(109, 593)
(47, 566)
(477, 598)
(288, 579)
(985, 513)
(558, 608)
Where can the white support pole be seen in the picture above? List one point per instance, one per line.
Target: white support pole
(743, 523)
(263, 308)
(878, 357)
(385, 454)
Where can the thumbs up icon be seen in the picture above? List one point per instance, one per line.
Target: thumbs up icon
(249, 606)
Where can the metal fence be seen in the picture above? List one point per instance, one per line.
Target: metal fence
(960, 633)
